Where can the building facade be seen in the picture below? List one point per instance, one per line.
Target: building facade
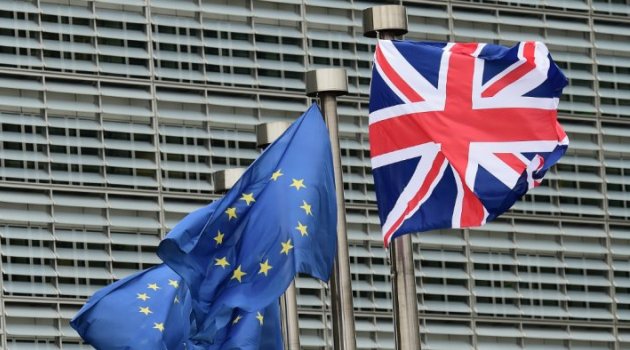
(114, 114)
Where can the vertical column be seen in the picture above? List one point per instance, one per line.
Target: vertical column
(386, 22)
(327, 84)
(265, 135)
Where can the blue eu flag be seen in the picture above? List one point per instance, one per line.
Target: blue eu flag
(278, 220)
(147, 310)
(151, 310)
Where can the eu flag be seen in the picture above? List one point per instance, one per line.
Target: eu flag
(151, 310)
(278, 220)
(147, 310)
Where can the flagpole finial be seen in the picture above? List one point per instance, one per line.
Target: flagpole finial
(268, 132)
(225, 179)
(386, 18)
(332, 81)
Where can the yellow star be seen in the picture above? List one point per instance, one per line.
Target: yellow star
(286, 246)
(307, 208)
(143, 296)
(221, 262)
(231, 213)
(264, 267)
(145, 310)
(298, 184)
(173, 283)
(153, 286)
(276, 175)
(260, 317)
(302, 229)
(159, 326)
(238, 274)
(176, 301)
(219, 237)
(248, 198)
(236, 319)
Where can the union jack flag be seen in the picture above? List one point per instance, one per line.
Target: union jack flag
(459, 132)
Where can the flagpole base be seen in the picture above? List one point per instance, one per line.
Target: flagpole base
(406, 320)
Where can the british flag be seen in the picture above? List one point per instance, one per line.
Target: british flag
(460, 131)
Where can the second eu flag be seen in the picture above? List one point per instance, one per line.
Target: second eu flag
(278, 220)
(147, 310)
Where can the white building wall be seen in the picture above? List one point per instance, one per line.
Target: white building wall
(114, 113)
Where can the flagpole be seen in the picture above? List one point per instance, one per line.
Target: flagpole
(223, 181)
(386, 22)
(265, 135)
(327, 84)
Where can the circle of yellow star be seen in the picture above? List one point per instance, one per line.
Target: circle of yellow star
(176, 300)
(221, 262)
(260, 317)
(231, 213)
(238, 274)
(302, 229)
(276, 175)
(159, 326)
(145, 310)
(306, 207)
(173, 283)
(219, 237)
(236, 319)
(153, 286)
(297, 184)
(265, 267)
(248, 198)
(286, 247)
(143, 296)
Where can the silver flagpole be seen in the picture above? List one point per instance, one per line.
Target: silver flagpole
(327, 84)
(265, 135)
(386, 22)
